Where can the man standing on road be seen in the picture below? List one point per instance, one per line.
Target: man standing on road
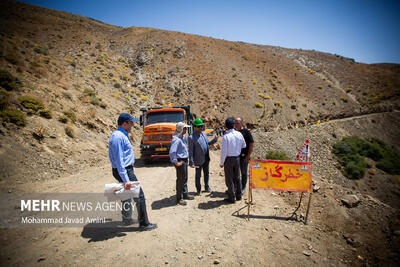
(178, 154)
(246, 152)
(199, 154)
(122, 159)
(232, 144)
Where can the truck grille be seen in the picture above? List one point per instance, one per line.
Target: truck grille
(159, 129)
(160, 137)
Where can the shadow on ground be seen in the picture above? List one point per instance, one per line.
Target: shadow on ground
(139, 163)
(95, 232)
(212, 204)
(164, 203)
(245, 215)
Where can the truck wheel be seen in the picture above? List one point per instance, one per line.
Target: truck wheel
(146, 161)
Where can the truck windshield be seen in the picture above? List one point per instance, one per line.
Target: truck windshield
(165, 116)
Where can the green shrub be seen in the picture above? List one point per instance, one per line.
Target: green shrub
(11, 59)
(41, 50)
(95, 100)
(387, 158)
(4, 100)
(63, 119)
(379, 97)
(355, 168)
(117, 85)
(71, 115)
(89, 92)
(276, 155)
(9, 82)
(389, 164)
(30, 102)
(351, 153)
(259, 105)
(13, 116)
(45, 113)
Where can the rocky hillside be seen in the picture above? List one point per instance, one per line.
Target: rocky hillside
(65, 78)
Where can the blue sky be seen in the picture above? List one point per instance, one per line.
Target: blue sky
(366, 30)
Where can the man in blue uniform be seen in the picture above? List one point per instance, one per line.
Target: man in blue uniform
(122, 159)
(178, 154)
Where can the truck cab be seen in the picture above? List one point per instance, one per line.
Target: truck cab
(158, 125)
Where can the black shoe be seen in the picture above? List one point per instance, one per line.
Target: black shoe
(181, 202)
(230, 201)
(188, 197)
(239, 198)
(198, 193)
(127, 222)
(148, 227)
(208, 190)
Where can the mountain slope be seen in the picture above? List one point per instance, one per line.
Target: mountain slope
(86, 72)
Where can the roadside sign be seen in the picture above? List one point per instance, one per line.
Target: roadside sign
(281, 175)
(304, 151)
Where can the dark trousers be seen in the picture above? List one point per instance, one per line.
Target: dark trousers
(243, 171)
(181, 179)
(206, 172)
(232, 177)
(140, 202)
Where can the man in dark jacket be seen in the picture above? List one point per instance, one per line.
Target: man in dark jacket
(199, 156)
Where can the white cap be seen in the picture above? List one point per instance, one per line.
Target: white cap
(179, 127)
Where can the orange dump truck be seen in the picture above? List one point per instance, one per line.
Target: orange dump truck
(158, 126)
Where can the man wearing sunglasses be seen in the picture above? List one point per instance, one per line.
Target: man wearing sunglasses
(199, 154)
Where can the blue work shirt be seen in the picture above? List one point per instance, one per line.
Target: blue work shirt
(178, 149)
(120, 151)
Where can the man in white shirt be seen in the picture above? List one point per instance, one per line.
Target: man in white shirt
(232, 144)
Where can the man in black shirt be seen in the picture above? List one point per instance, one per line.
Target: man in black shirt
(246, 152)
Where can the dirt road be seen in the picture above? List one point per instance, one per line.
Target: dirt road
(205, 232)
